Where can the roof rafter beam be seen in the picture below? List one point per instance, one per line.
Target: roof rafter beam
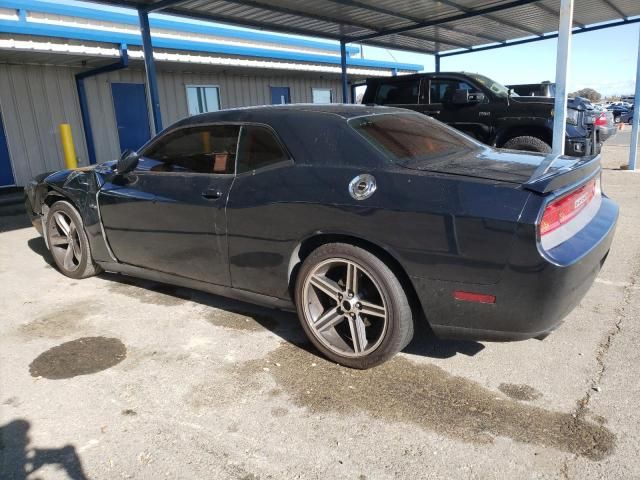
(556, 14)
(277, 28)
(546, 37)
(160, 5)
(495, 18)
(613, 7)
(452, 18)
(411, 18)
(313, 16)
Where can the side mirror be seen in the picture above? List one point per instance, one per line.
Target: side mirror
(127, 162)
(464, 97)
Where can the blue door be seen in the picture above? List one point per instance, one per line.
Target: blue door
(132, 116)
(280, 95)
(6, 174)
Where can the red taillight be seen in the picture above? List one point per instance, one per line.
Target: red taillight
(601, 120)
(561, 211)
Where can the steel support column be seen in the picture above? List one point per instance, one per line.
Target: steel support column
(343, 68)
(437, 63)
(633, 153)
(150, 67)
(563, 58)
(84, 103)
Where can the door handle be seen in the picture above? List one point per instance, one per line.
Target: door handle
(212, 194)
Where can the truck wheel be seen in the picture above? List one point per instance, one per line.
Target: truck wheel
(528, 144)
(68, 241)
(352, 306)
(616, 119)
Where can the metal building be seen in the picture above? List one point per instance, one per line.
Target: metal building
(83, 65)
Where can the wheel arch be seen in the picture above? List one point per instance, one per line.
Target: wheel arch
(304, 248)
(538, 131)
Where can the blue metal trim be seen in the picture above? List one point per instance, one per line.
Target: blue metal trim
(131, 18)
(32, 28)
(84, 104)
(150, 67)
(545, 37)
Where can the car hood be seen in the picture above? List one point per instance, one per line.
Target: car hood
(492, 164)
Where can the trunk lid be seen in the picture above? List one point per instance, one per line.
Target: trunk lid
(513, 167)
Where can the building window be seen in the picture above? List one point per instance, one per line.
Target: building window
(203, 99)
(321, 95)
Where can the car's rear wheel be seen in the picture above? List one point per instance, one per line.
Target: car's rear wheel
(352, 306)
(527, 144)
(68, 241)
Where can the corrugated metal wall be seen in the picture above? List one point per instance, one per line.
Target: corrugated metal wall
(235, 91)
(34, 100)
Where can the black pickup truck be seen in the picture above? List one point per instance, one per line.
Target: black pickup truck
(486, 110)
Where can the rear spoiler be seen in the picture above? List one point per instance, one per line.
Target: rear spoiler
(545, 181)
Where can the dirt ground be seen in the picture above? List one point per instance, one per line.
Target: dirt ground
(113, 377)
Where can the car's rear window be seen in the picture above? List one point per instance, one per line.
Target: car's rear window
(410, 139)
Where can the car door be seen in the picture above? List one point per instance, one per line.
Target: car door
(398, 92)
(169, 213)
(259, 216)
(473, 119)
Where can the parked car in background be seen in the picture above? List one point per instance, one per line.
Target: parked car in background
(626, 117)
(363, 219)
(486, 110)
(605, 126)
(542, 89)
(621, 113)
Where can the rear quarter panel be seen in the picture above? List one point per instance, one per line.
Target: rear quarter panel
(438, 226)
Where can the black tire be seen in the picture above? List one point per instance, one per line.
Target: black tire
(398, 315)
(81, 267)
(528, 144)
(616, 119)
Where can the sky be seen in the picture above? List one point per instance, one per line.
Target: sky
(604, 60)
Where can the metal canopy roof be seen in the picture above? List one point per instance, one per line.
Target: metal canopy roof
(426, 26)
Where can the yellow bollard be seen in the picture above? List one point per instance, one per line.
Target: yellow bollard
(70, 159)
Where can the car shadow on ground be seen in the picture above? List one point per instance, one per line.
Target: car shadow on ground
(19, 461)
(239, 315)
(37, 245)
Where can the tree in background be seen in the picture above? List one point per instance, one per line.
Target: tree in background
(588, 93)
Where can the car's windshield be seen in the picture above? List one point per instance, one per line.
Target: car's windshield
(411, 138)
(497, 88)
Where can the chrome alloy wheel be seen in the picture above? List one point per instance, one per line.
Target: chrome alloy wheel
(64, 241)
(344, 307)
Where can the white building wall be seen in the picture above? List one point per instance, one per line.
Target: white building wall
(35, 99)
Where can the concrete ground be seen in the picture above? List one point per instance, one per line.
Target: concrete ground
(112, 377)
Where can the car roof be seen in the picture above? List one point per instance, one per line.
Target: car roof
(265, 113)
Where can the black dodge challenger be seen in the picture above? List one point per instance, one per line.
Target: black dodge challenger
(364, 219)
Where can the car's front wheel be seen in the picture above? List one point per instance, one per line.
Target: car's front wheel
(68, 241)
(352, 306)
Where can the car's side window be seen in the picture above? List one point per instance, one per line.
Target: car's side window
(202, 149)
(403, 92)
(258, 148)
(442, 89)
